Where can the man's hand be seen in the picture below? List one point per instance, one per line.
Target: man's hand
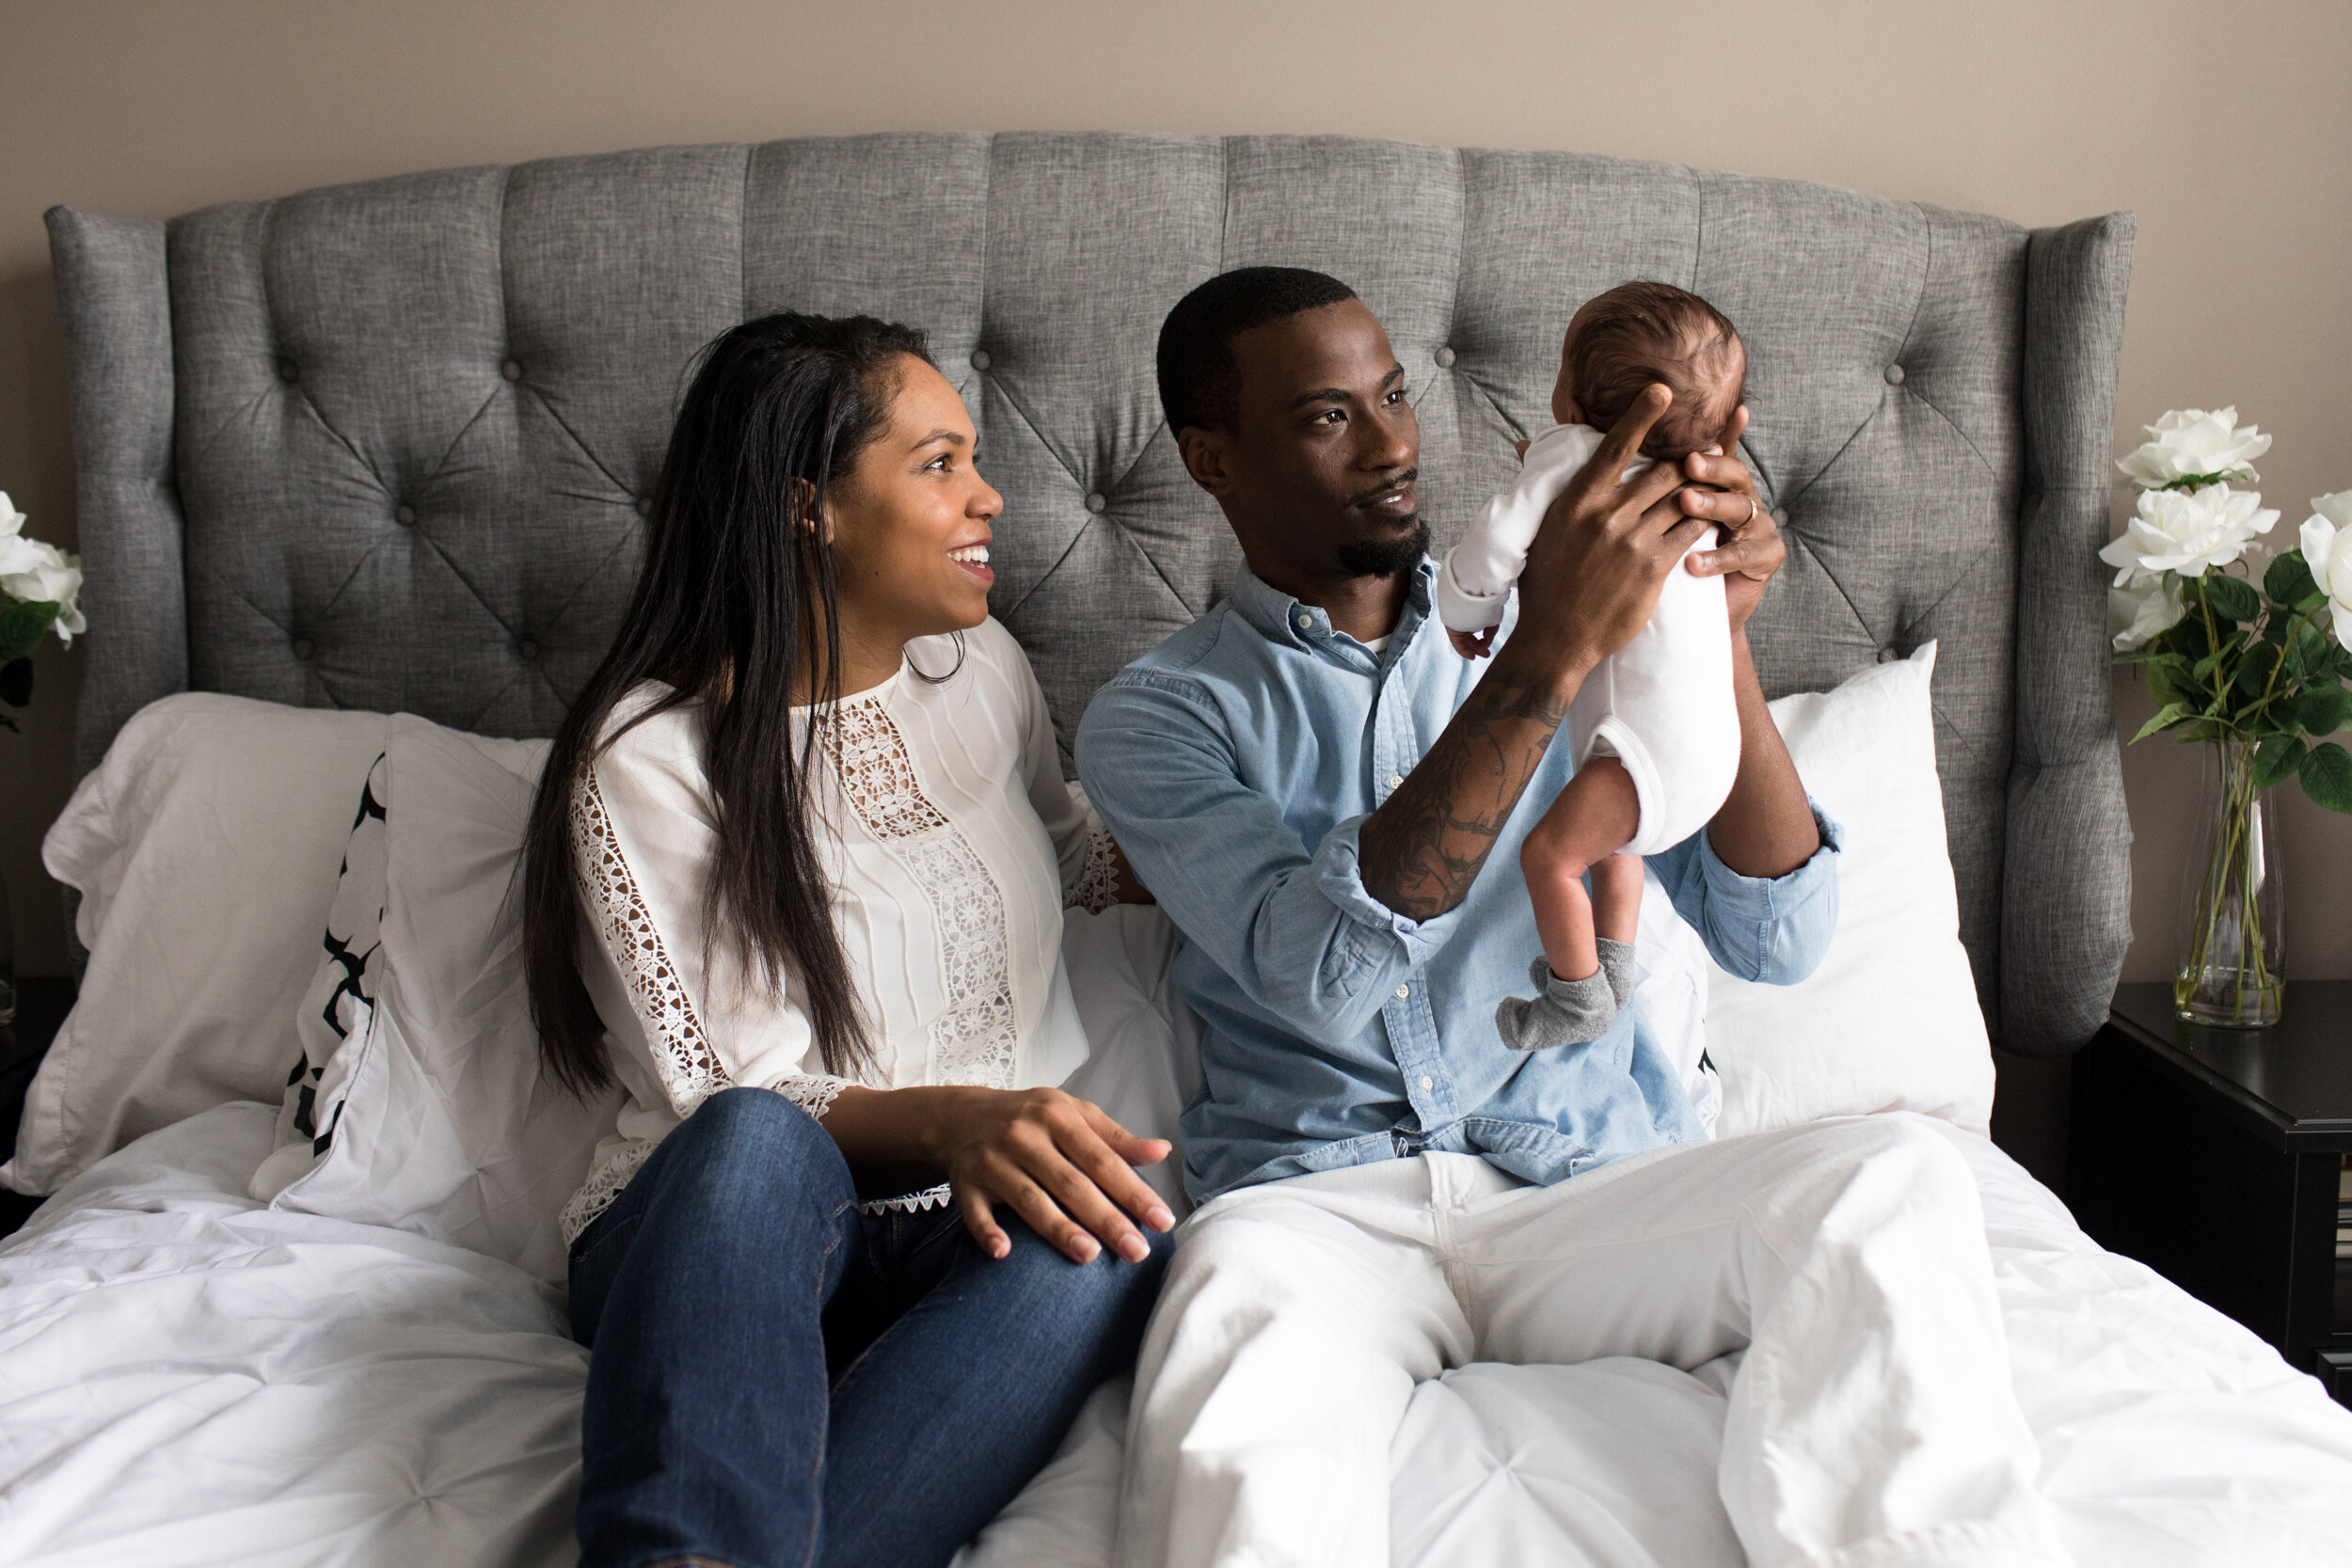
(1603, 552)
(1723, 492)
(1592, 579)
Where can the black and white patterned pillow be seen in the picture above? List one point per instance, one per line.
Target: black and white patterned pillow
(341, 1001)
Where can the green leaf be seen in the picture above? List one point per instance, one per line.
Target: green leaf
(2254, 671)
(2327, 776)
(16, 682)
(2167, 715)
(22, 625)
(2168, 684)
(2324, 709)
(2289, 579)
(2278, 756)
(2232, 598)
(2307, 650)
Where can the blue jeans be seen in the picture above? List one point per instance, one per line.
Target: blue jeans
(778, 1379)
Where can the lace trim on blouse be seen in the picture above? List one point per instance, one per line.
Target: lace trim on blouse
(690, 1069)
(974, 1039)
(1096, 887)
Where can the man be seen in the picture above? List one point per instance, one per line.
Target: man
(1328, 801)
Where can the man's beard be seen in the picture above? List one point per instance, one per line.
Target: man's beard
(1366, 558)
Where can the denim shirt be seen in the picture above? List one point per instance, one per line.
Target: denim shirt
(1235, 764)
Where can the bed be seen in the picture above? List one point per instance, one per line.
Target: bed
(378, 450)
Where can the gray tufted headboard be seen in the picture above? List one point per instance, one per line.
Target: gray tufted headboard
(382, 446)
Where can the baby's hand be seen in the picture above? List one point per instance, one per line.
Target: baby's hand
(1472, 644)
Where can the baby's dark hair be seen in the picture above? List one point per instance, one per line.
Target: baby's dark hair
(1641, 333)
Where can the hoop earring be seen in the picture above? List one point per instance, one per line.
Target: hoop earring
(940, 680)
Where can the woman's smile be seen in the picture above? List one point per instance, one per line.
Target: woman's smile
(974, 558)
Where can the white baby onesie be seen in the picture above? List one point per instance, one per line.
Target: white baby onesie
(1663, 704)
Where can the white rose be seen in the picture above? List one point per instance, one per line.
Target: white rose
(2141, 607)
(17, 553)
(2189, 531)
(36, 573)
(2189, 441)
(50, 576)
(2328, 548)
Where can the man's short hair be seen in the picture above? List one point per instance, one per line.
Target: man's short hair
(1199, 383)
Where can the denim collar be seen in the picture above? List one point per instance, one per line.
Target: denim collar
(1283, 619)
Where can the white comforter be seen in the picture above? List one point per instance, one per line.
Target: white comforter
(187, 1378)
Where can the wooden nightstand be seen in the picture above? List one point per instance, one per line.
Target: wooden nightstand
(40, 1007)
(2214, 1156)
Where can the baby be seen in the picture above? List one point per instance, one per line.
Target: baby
(1655, 731)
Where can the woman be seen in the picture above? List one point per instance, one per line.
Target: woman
(795, 877)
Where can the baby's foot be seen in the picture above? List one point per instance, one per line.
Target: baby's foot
(1568, 1012)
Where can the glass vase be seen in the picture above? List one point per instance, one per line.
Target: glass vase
(2233, 968)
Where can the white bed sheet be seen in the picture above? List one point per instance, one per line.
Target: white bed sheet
(189, 1379)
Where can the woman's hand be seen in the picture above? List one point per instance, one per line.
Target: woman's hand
(1062, 1164)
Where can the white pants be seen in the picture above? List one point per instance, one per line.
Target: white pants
(1871, 1422)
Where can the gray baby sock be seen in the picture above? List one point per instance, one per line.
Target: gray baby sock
(1616, 962)
(1568, 1012)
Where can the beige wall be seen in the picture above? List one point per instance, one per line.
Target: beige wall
(2219, 124)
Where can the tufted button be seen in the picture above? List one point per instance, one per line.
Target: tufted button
(528, 649)
(1894, 375)
(302, 648)
(286, 371)
(979, 359)
(1445, 359)
(1096, 502)
(1888, 656)
(645, 506)
(511, 371)
(405, 516)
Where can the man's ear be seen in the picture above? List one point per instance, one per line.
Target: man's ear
(1206, 454)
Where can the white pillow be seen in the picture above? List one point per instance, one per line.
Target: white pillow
(1143, 1065)
(204, 848)
(341, 1004)
(1889, 1021)
(448, 1127)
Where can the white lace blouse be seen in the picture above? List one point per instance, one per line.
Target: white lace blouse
(954, 847)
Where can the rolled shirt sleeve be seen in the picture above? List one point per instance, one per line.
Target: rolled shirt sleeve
(1773, 930)
(1292, 926)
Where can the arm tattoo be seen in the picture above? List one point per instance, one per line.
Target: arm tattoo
(1421, 850)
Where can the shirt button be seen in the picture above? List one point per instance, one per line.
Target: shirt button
(1305, 621)
(1428, 1081)
(1396, 781)
(1403, 992)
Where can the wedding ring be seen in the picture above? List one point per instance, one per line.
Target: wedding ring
(1753, 509)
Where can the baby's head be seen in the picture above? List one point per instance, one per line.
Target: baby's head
(1641, 333)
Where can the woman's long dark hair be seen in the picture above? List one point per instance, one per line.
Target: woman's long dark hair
(735, 607)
